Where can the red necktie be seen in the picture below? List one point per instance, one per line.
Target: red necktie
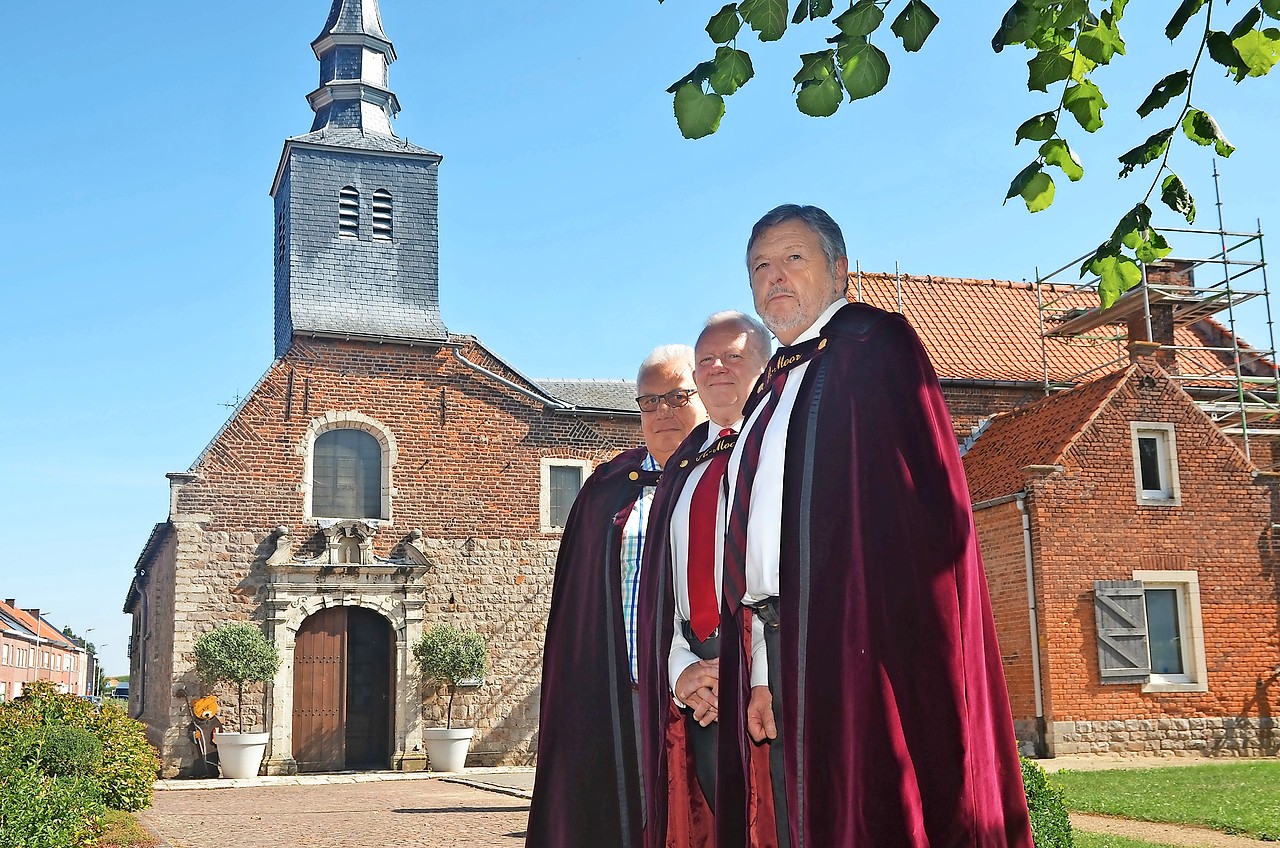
(704, 597)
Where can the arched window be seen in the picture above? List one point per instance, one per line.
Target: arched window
(382, 214)
(349, 212)
(347, 475)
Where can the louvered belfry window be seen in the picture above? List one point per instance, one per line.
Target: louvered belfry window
(382, 214)
(349, 212)
(347, 475)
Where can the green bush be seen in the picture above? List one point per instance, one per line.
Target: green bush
(1050, 826)
(38, 810)
(66, 750)
(128, 765)
(237, 653)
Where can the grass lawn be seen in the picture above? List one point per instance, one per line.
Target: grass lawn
(1238, 797)
(122, 830)
(1099, 840)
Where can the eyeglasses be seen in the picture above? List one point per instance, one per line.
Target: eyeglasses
(675, 399)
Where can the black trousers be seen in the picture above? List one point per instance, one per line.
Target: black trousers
(703, 740)
(777, 765)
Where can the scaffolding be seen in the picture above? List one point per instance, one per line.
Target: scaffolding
(1179, 308)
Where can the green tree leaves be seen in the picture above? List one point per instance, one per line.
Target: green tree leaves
(1037, 127)
(733, 70)
(862, 18)
(1046, 68)
(1034, 186)
(768, 18)
(1164, 91)
(1056, 152)
(1147, 152)
(1201, 128)
(1084, 101)
(697, 114)
(854, 68)
(864, 68)
(1099, 43)
(1259, 50)
(913, 25)
(1068, 41)
(820, 91)
(725, 24)
(1174, 194)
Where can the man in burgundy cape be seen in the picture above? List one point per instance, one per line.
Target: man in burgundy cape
(587, 791)
(894, 715)
(586, 732)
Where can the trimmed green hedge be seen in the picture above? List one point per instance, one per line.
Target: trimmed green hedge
(1050, 826)
(63, 763)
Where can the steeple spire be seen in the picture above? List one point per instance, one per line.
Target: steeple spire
(354, 54)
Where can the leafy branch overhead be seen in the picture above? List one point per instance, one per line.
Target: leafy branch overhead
(850, 67)
(1069, 39)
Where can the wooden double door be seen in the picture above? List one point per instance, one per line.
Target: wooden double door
(342, 691)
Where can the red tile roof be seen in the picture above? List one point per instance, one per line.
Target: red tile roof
(38, 627)
(991, 329)
(1037, 434)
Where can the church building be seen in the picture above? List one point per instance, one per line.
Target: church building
(384, 474)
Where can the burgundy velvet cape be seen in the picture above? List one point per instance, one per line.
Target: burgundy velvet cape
(677, 814)
(895, 714)
(587, 788)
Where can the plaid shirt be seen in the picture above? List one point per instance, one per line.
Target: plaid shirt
(633, 536)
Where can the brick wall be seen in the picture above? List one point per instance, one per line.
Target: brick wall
(1089, 527)
(1000, 538)
(467, 474)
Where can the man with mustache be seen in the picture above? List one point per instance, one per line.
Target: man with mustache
(679, 645)
(850, 551)
(588, 791)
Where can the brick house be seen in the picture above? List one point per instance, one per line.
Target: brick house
(1130, 551)
(383, 475)
(33, 649)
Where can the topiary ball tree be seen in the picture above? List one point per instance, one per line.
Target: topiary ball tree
(236, 653)
(448, 655)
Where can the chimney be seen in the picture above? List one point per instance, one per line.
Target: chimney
(1169, 274)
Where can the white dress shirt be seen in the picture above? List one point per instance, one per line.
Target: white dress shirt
(680, 657)
(764, 525)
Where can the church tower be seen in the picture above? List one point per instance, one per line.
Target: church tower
(356, 208)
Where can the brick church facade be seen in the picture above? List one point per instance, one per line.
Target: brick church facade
(386, 474)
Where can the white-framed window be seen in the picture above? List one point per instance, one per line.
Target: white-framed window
(1175, 632)
(561, 481)
(1155, 464)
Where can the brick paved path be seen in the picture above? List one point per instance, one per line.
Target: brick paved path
(403, 813)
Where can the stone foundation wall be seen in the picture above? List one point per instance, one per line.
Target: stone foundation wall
(1180, 737)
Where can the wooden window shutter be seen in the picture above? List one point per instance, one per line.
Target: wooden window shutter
(1120, 613)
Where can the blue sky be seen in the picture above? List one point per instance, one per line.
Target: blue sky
(578, 229)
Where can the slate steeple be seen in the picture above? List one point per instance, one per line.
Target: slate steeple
(357, 230)
(354, 54)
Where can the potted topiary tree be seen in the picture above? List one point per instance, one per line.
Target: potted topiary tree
(238, 653)
(448, 656)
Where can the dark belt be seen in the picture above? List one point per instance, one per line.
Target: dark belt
(703, 650)
(767, 611)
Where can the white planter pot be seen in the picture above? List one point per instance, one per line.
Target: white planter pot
(240, 754)
(447, 747)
